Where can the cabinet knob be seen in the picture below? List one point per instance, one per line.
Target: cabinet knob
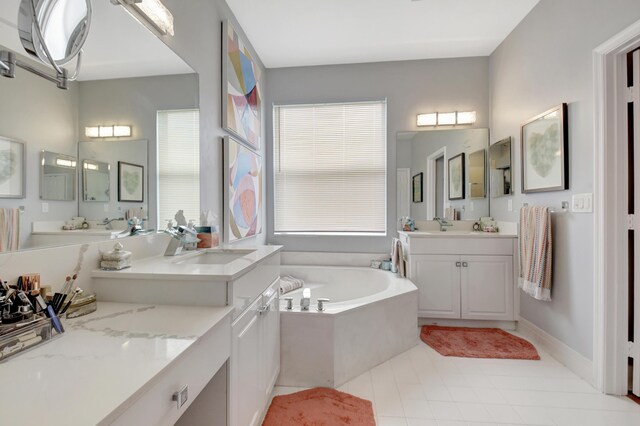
(465, 264)
(181, 396)
(458, 264)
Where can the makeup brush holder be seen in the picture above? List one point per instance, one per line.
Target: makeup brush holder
(23, 338)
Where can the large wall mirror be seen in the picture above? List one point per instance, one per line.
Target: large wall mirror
(425, 163)
(128, 75)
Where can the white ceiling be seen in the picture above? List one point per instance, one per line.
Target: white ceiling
(118, 46)
(289, 33)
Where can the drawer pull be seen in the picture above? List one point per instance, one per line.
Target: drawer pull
(263, 309)
(458, 264)
(181, 396)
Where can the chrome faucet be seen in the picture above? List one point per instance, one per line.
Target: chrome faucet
(444, 224)
(179, 239)
(107, 223)
(306, 299)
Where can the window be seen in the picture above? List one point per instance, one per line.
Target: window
(178, 164)
(330, 163)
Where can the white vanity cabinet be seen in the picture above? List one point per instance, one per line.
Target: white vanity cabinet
(255, 358)
(463, 276)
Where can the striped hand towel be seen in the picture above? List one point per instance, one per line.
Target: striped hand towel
(9, 229)
(536, 251)
(289, 283)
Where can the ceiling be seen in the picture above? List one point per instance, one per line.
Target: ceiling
(288, 33)
(118, 46)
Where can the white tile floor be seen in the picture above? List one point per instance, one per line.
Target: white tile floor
(423, 388)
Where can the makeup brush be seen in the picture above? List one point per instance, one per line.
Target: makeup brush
(58, 298)
(76, 292)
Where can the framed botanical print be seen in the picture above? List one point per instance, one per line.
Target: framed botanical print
(12, 168)
(130, 182)
(544, 153)
(417, 188)
(456, 177)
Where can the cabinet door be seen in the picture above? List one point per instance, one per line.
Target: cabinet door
(270, 340)
(487, 287)
(246, 400)
(438, 280)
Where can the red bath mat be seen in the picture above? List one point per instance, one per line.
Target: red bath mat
(319, 407)
(477, 343)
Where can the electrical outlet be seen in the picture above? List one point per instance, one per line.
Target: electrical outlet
(45, 207)
(510, 205)
(582, 203)
(471, 206)
(106, 208)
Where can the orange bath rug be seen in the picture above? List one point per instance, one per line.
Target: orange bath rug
(477, 343)
(319, 407)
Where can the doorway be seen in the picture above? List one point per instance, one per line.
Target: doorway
(617, 236)
(436, 184)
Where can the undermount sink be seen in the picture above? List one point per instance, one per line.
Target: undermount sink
(217, 257)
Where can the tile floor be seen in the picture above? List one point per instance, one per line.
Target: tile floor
(422, 388)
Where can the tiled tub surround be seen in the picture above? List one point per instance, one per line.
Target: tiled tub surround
(372, 317)
(119, 365)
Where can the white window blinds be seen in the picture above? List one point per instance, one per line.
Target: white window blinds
(330, 163)
(178, 164)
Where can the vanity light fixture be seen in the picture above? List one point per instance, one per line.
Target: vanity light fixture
(446, 118)
(113, 131)
(65, 163)
(150, 11)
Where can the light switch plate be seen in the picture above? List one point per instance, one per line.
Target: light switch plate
(45, 207)
(582, 203)
(510, 205)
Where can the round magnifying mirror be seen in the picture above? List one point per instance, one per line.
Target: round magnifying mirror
(59, 27)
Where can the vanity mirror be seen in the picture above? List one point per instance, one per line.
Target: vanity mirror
(57, 176)
(500, 168)
(429, 152)
(128, 78)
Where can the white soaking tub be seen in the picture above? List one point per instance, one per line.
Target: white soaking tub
(372, 317)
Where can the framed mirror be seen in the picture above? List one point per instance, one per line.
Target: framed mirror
(477, 174)
(96, 181)
(57, 176)
(500, 168)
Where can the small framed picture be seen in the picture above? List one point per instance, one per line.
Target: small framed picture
(456, 177)
(417, 188)
(545, 146)
(12, 169)
(130, 182)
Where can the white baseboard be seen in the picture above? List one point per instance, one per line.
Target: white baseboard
(504, 325)
(571, 359)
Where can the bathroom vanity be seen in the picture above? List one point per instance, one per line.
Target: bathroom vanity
(463, 275)
(247, 281)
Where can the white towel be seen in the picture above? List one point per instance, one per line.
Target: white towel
(536, 252)
(9, 229)
(289, 283)
(397, 257)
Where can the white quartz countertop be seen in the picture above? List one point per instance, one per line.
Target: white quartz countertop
(101, 364)
(180, 267)
(456, 234)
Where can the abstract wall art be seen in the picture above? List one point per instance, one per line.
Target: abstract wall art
(243, 191)
(545, 145)
(241, 97)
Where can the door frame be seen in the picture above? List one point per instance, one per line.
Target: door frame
(431, 183)
(610, 217)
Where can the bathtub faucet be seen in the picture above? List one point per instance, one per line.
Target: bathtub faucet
(306, 299)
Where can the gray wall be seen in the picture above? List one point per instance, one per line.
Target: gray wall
(410, 87)
(134, 101)
(546, 60)
(36, 112)
(198, 41)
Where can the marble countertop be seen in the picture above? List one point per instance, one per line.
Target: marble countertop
(180, 267)
(457, 234)
(101, 363)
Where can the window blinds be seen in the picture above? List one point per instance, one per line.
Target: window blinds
(330, 163)
(178, 164)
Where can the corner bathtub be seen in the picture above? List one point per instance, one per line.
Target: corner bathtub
(372, 317)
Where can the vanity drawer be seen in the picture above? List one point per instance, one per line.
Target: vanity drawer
(248, 287)
(462, 245)
(194, 369)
